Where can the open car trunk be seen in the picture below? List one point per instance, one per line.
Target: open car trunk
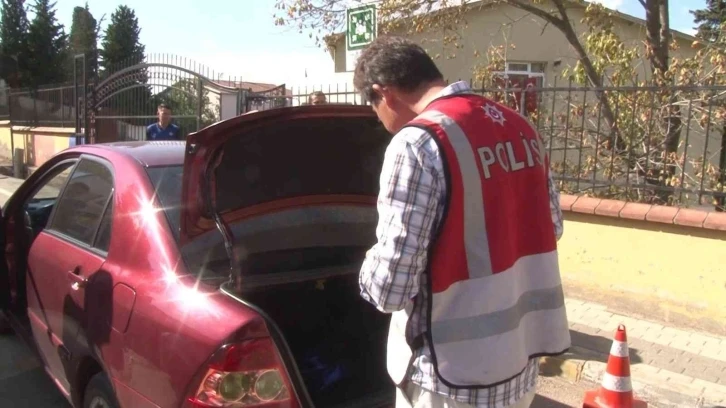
(337, 339)
(301, 269)
(289, 196)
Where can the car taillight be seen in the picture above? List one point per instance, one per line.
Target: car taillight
(247, 374)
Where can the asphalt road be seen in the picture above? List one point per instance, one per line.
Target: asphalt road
(24, 383)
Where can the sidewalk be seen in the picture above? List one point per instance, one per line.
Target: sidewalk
(8, 185)
(670, 367)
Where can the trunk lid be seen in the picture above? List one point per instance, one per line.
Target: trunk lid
(272, 161)
(293, 193)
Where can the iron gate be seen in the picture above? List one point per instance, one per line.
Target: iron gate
(273, 98)
(119, 104)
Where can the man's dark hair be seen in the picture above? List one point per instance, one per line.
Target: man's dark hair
(314, 94)
(393, 61)
(163, 106)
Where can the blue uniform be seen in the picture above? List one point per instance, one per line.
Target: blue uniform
(156, 132)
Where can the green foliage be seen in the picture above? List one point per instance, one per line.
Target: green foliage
(649, 122)
(14, 43)
(83, 39)
(46, 46)
(709, 20)
(611, 58)
(709, 67)
(122, 48)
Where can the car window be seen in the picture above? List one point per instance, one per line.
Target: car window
(83, 202)
(40, 204)
(167, 181)
(103, 239)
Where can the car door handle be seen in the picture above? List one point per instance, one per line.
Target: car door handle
(76, 279)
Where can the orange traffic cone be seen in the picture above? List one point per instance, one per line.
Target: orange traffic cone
(616, 390)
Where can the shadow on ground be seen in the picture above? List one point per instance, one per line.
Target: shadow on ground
(544, 402)
(23, 381)
(600, 347)
(585, 347)
(31, 389)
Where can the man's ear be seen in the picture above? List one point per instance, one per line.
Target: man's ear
(384, 93)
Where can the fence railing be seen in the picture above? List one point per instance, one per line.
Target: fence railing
(664, 145)
(647, 144)
(4, 105)
(661, 145)
(46, 106)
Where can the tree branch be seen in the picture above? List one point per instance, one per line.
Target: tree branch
(565, 26)
(97, 32)
(520, 4)
(561, 8)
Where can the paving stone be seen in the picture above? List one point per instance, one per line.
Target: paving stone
(714, 351)
(713, 394)
(679, 353)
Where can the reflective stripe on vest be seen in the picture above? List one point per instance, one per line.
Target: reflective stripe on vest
(496, 293)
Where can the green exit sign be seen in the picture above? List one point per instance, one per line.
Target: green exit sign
(361, 27)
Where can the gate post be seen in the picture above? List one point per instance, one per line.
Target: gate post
(200, 101)
(243, 101)
(76, 99)
(239, 102)
(90, 114)
(9, 99)
(80, 98)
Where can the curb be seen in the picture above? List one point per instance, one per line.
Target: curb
(561, 366)
(570, 365)
(580, 364)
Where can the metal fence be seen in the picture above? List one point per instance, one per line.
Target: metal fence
(4, 104)
(46, 106)
(664, 145)
(337, 94)
(660, 145)
(647, 144)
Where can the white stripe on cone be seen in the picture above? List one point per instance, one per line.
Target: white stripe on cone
(616, 384)
(619, 349)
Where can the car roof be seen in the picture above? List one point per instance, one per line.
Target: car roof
(149, 153)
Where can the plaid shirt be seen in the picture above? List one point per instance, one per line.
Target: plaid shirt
(410, 205)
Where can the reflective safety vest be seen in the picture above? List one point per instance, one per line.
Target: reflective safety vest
(495, 294)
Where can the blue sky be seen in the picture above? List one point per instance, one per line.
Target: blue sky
(239, 38)
(681, 18)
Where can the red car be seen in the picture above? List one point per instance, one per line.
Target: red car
(220, 272)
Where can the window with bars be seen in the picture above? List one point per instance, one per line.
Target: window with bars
(525, 76)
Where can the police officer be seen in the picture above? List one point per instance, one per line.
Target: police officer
(466, 257)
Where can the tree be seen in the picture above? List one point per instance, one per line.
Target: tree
(711, 67)
(122, 48)
(658, 43)
(14, 42)
(46, 46)
(83, 39)
(322, 17)
(121, 45)
(709, 20)
(603, 59)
